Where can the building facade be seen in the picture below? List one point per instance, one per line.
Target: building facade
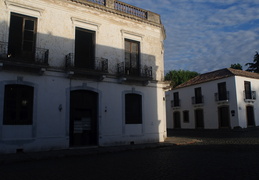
(224, 98)
(79, 73)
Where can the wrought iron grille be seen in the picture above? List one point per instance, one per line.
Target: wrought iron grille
(100, 64)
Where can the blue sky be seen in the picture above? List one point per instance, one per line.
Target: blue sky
(206, 35)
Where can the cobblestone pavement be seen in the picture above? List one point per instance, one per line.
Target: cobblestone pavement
(219, 154)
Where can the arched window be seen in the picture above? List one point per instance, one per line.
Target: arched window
(18, 105)
(133, 109)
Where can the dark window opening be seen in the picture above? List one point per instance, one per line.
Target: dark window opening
(198, 96)
(222, 91)
(176, 101)
(132, 62)
(22, 37)
(84, 49)
(18, 105)
(248, 92)
(133, 109)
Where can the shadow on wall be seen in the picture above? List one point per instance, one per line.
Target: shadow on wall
(81, 51)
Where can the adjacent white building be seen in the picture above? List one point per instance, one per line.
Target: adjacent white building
(79, 73)
(224, 98)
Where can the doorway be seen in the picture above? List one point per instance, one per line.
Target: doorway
(83, 118)
(84, 49)
(177, 120)
(199, 120)
(224, 117)
(250, 116)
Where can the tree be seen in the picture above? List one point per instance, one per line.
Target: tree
(254, 67)
(178, 77)
(236, 66)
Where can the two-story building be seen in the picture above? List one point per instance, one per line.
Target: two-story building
(79, 73)
(224, 98)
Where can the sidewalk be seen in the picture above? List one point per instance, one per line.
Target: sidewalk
(72, 152)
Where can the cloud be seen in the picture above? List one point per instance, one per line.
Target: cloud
(205, 35)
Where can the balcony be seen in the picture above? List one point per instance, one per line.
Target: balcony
(123, 9)
(97, 70)
(175, 103)
(249, 96)
(222, 97)
(197, 100)
(142, 74)
(37, 63)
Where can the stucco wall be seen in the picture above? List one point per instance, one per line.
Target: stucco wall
(210, 106)
(56, 23)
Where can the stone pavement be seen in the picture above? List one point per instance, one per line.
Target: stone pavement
(175, 137)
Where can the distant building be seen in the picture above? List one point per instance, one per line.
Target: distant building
(224, 98)
(79, 73)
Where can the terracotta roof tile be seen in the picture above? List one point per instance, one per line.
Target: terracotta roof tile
(218, 74)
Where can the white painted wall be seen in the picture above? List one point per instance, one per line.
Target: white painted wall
(56, 28)
(235, 86)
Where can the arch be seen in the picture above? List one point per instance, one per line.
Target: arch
(83, 118)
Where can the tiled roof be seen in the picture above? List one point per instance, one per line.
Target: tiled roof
(219, 74)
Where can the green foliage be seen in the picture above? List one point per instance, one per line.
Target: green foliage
(178, 77)
(236, 66)
(254, 67)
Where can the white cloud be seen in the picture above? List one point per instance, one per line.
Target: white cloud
(204, 35)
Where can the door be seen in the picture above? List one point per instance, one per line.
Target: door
(132, 64)
(177, 120)
(84, 48)
(83, 118)
(224, 117)
(250, 116)
(199, 118)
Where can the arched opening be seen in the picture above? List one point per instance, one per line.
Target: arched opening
(83, 118)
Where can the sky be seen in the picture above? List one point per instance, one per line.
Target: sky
(206, 35)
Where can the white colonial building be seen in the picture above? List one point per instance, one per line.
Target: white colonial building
(224, 98)
(79, 73)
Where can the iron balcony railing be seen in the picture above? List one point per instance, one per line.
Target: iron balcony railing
(176, 103)
(101, 2)
(249, 95)
(222, 97)
(99, 64)
(41, 55)
(126, 8)
(142, 71)
(197, 100)
(120, 6)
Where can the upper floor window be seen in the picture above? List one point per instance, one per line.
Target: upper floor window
(132, 57)
(198, 99)
(133, 109)
(84, 48)
(222, 91)
(176, 101)
(22, 37)
(18, 105)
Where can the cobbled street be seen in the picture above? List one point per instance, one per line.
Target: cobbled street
(220, 154)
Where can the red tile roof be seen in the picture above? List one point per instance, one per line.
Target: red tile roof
(218, 74)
